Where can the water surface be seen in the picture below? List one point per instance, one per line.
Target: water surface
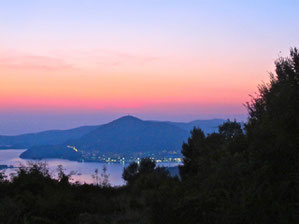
(84, 170)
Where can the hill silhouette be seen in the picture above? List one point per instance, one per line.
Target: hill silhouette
(56, 137)
(208, 126)
(131, 134)
(44, 138)
(125, 135)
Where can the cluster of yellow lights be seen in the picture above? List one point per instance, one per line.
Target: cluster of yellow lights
(73, 147)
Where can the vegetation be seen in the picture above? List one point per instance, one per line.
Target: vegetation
(238, 175)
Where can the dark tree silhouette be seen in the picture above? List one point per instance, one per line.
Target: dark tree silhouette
(273, 136)
(250, 176)
(130, 172)
(147, 165)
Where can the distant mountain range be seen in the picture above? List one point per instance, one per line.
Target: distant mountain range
(125, 135)
(43, 138)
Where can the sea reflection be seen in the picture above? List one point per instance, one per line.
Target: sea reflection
(83, 170)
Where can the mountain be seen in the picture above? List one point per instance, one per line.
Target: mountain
(130, 134)
(44, 138)
(208, 126)
(55, 137)
(125, 135)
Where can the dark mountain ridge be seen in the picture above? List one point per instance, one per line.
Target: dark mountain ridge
(208, 126)
(131, 134)
(44, 138)
(125, 135)
(54, 137)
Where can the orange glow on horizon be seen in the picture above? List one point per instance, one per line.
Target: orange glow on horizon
(46, 82)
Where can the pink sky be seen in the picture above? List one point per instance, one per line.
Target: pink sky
(175, 60)
(103, 79)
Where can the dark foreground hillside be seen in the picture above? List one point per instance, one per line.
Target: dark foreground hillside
(234, 176)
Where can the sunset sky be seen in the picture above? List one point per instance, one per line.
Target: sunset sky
(65, 63)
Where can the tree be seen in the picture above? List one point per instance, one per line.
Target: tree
(250, 176)
(273, 125)
(191, 152)
(273, 136)
(130, 171)
(230, 130)
(147, 165)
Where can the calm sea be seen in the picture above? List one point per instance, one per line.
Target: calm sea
(83, 170)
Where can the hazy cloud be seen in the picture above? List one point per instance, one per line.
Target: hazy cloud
(33, 62)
